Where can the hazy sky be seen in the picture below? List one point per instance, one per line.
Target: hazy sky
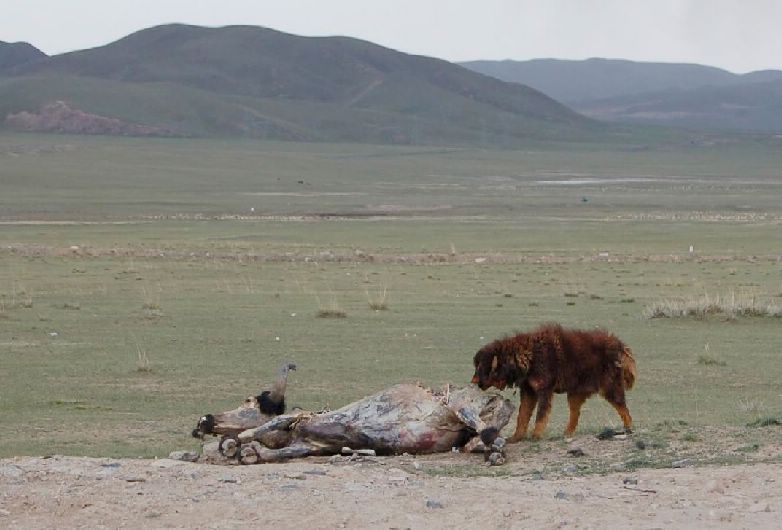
(739, 35)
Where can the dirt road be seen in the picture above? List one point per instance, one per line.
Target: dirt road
(397, 492)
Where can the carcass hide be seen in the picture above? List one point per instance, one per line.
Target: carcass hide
(404, 418)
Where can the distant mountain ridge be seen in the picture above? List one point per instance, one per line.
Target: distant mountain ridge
(252, 81)
(681, 95)
(575, 81)
(14, 54)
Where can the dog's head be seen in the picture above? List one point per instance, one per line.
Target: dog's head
(501, 363)
(491, 368)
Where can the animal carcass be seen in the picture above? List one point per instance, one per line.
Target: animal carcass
(404, 418)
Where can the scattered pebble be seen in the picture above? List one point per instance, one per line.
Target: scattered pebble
(431, 503)
(759, 507)
(630, 480)
(184, 456)
(713, 486)
(11, 471)
(576, 452)
(685, 462)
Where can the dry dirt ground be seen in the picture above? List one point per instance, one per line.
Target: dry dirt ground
(439, 491)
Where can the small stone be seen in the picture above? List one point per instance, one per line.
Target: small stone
(184, 456)
(416, 465)
(296, 476)
(759, 507)
(561, 495)
(431, 503)
(685, 462)
(570, 469)
(4, 513)
(230, 480)
(11, 471)
(713, 486)
(606, 434)
(576, 452)
(316, 472)
(630, 480)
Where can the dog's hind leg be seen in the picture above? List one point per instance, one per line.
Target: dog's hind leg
(574, 401)
(618, 402)
(528, 401)
(544, 409)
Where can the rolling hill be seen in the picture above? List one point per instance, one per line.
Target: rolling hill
(746, 107)
(681, 95)
(252, 81)
(14, 54)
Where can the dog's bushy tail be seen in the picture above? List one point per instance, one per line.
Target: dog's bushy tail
(629, 372)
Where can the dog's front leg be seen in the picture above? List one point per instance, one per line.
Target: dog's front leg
(544, 409)
(528, 401)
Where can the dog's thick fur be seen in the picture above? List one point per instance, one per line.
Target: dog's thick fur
(553, 359)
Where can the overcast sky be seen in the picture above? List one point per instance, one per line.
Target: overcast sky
(738, 35)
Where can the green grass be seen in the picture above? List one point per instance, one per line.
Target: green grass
(122, 322)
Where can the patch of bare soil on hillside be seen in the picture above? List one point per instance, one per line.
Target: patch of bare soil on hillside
(60, 117)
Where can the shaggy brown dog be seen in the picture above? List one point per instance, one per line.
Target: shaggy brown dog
(554, 359)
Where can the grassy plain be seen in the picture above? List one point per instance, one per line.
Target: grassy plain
(115, 248)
